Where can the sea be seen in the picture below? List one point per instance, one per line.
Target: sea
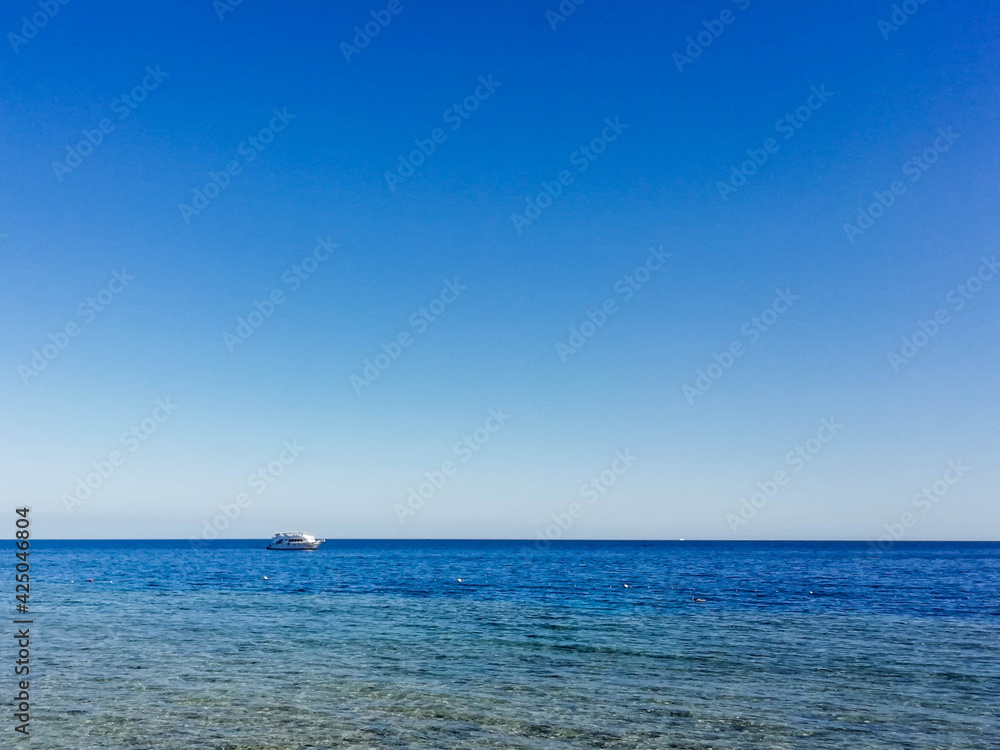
(504, 644)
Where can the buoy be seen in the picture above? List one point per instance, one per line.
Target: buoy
(266, 578)
(459, 580)
(626, 585)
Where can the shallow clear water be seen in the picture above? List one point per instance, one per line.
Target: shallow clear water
(379, 645)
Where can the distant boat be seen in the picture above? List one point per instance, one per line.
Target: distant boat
(291, 540)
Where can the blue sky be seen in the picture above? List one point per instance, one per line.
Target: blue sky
(208, 85)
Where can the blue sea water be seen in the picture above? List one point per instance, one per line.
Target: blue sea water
(391, 644)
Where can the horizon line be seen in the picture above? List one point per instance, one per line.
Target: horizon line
(513, 539)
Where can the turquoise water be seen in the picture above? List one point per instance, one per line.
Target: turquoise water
(584, 645)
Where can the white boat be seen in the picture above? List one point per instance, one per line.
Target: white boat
(290, 540)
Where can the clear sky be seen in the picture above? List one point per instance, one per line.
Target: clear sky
(464, 259)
